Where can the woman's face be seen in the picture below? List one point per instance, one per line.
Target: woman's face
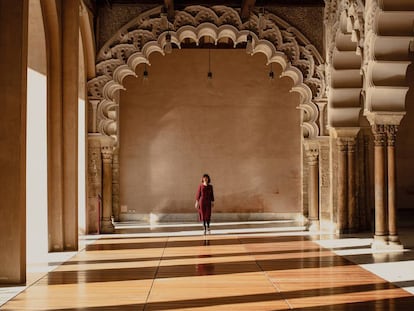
(205, 180)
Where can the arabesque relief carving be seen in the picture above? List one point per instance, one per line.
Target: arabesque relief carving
(134, 42)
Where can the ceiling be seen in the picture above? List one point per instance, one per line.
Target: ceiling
(246, 5)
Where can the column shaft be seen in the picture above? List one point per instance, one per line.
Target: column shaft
(62, 37)
(106, 223)
(70, 84)
(13, 66)
(352, 213)
(313, 191)
(392, 219)
(54, 125)
(379, 150)
(115, 185)
(93, 214)
(342, 186)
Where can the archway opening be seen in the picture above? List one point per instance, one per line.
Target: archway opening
(36, 159)
(240, 127)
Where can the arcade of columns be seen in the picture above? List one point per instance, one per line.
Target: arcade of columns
(357, 110)
(351, 109)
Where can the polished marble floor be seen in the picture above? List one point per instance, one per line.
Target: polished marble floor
(240, 266)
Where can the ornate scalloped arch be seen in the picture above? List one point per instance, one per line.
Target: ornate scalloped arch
(137, 40)
(386, 27)
(344, 20)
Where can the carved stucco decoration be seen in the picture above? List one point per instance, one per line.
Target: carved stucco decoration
(338, 11)
(387, 55)
(344, 24)
(133, 44)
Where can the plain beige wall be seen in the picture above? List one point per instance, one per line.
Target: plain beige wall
(405, 149)
(240, 127)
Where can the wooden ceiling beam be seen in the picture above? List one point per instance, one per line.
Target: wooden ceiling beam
(169, 6)
(246, 8)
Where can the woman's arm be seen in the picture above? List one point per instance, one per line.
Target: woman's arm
(198, 195)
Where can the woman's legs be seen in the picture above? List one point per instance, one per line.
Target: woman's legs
(205, 226)
(208, 225)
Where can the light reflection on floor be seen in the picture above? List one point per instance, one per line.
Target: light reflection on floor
(267, 265)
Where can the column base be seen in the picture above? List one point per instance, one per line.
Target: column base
(394, 242)
(386, 243)
(380, 242)
(313, 226)
(107, 226)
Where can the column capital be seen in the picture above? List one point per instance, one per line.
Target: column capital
(378, 130)
(346, 143)
(344, 132)
(351, 144)
(384, 117)
(94, 102)
(105, 143)
(312, 156)
(107, 153)
(391, 132)
(311, 151)
(321, 103)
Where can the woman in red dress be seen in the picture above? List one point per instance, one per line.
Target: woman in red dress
(205, 201)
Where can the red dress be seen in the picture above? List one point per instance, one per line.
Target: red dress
(204, 197)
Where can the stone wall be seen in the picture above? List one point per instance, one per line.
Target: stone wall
(240, 127)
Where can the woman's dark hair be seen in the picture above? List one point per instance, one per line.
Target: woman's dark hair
(208, 178)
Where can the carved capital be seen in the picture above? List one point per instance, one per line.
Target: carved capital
(391, 132)
(379, 134)
(312, 156)
(351, 143)
(107, 152)
(311, 151)
(342, 144)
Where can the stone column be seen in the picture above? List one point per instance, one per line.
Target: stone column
(62, 36)
(352, 213)
(365, 185)
(326, 222)
(312, 156)
(13, 68)
(379, 166)
(342, 185)
(393, 239)
(107, 152)
(115, 184)
(384, 127)
(93, 213)
(70, 101)
(94, 104)
(322, 115)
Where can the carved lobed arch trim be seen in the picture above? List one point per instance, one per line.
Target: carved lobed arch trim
(380, 36)
(137, 40)
(344, 24)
